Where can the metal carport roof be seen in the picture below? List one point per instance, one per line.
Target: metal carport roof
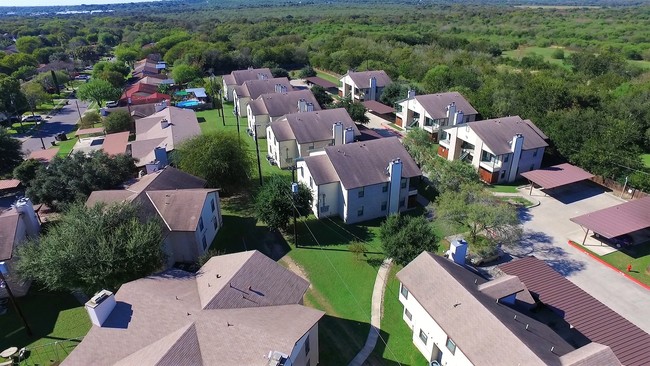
(373, 105)
(617, 220)
(557, 175)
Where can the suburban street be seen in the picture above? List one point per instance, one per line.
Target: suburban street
(64, 121)
(547, 231)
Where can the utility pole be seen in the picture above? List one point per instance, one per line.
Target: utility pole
(237, 116)
(294, 194)
(76, 102)
(5, 284)
(257, 150)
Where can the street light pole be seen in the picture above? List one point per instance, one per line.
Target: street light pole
(5, 284)
(257, 150)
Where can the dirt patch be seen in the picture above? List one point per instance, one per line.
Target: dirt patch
(319, 299)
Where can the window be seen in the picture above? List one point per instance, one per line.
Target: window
(212, 205)
(404, 291)
(503, 174)
(307, 346)
(398, 108)
(423, 336)
(205, 243)
(311, 147)
(385, 188)
(361, 192)
(323, 200)
(384, 205)
(302, 173)
(444, 136)
(451, 345)
(201, 227)
(402, 202)
(535, 154)
(215, 223)
(486, 156)
(403, 183)
(506, 158)
(408, 314)
(311, 183)
(360, 211)
(428, 121)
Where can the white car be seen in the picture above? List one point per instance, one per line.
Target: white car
(34, 118)
(111, 104)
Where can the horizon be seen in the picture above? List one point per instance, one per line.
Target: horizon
(30, 3)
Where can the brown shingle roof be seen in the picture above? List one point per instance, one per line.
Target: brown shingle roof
(255, 88)
(44, 156)
(361, 79)
(321, 169)
(449, 293)
(159, 320)
(143, 150)
(557, 175)
(617, 220)
(167, 178)
(498, 133)
(282, 131)
(180, 208)
(375, 106)
(587, 315)
(115, 143)
(109, 196)
(436, 104)
(239, 76)
(9, 184)
(590, 355)
(320, 82)
(308, 127)
(8, 227)
(279, 104)
(361, 164)
(89, 131)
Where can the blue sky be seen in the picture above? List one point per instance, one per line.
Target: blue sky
(65, 2)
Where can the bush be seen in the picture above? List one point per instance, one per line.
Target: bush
(306, 72)
(118, 121)
(90, 118)
(558, 54)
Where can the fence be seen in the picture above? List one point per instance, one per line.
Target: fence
(50, 353)
(617, 188)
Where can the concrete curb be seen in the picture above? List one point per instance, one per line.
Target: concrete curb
(580, 248)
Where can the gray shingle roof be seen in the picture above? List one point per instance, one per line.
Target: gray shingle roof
(168, 178)
(182, 125)
(282, 131)
(449, 293)
(160, 320)
(180, 208)
(8, 226)
(436, 104)
(321, 169)
(362, 78)
(497, 133)
(239, 76)
(278, 104)
(315, 126)
(255, 88)
(362, 164)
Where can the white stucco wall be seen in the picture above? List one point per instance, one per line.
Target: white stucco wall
(299, 355)
(241, 102)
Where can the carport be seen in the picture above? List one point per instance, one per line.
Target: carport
(89, 132)
(556, 176)
(615, 221)
(377, 108)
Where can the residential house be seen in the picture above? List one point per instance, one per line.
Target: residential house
(238, 309)
(116, 143)
(459, 318)
(149, 67)
(190, 213)
(364, 85)
(500, 149)
(140, 110)
(160, 133)
(17, 224)
(271, 107)
(433, 112)
(252, 89)
(360, 181)
(142, 93)
(238, 77)
(299, 134)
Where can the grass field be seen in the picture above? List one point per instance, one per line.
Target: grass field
(503, 188)
(52, 316)
(638, 256)
(546, 53)
(329, 77)
(646, 160)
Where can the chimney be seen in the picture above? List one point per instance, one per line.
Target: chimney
(458, 251)
(337, 133)
(395, 174)
(516, 146)
(26, 210)
(261, 76)
(410, 94)
(373, 88)
(458, 118)
(302, 105)
(310, 107)
(160, 154)
(100, 306)
(278, 88)
(451, 110)
(160, 106)
(348, 135)
(164, 123)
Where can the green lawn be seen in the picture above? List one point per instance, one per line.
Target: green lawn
(65, 147)
(545, 52)
(397, 334)
(503, 188)
(19, 127)
(52, 316)
(638, 256)
(646, 160)
(329, 77)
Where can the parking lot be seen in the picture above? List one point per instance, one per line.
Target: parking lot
(547, 231)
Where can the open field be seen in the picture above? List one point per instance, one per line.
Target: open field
(646, 159)
(546, 53)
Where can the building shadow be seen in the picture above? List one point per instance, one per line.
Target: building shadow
(340, 339)
(380, 348)
(566, 267)
(120, 317)
(576, 192)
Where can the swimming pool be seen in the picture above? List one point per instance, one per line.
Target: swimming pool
(187, 104)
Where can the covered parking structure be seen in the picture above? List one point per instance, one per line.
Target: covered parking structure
(556, 176)
(613, 222)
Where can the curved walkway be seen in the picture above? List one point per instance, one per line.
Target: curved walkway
(375, 315)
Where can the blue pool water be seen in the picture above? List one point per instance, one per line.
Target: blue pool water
(187, 104)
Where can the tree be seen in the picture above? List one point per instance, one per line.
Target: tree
(90, 118)
(94, 248)
(49, 83)
(477, 209)
(127, 55)
(118, 121)
(274, 203)
(355, 109)
(404, 237)
(322, 97)
(448, 175)
(26, 171)
(28, 44)
(183, 74)
(419, 144)
(35, 95)
(75, 177)
(219, 158)
(98, 90)
(558, 54)
(12, 99)
(115, 78)
(306, 72)
(278, 72)
(11, 154)
(396, 91)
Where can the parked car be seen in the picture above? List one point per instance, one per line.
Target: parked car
(111, 104)
(32, 118)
